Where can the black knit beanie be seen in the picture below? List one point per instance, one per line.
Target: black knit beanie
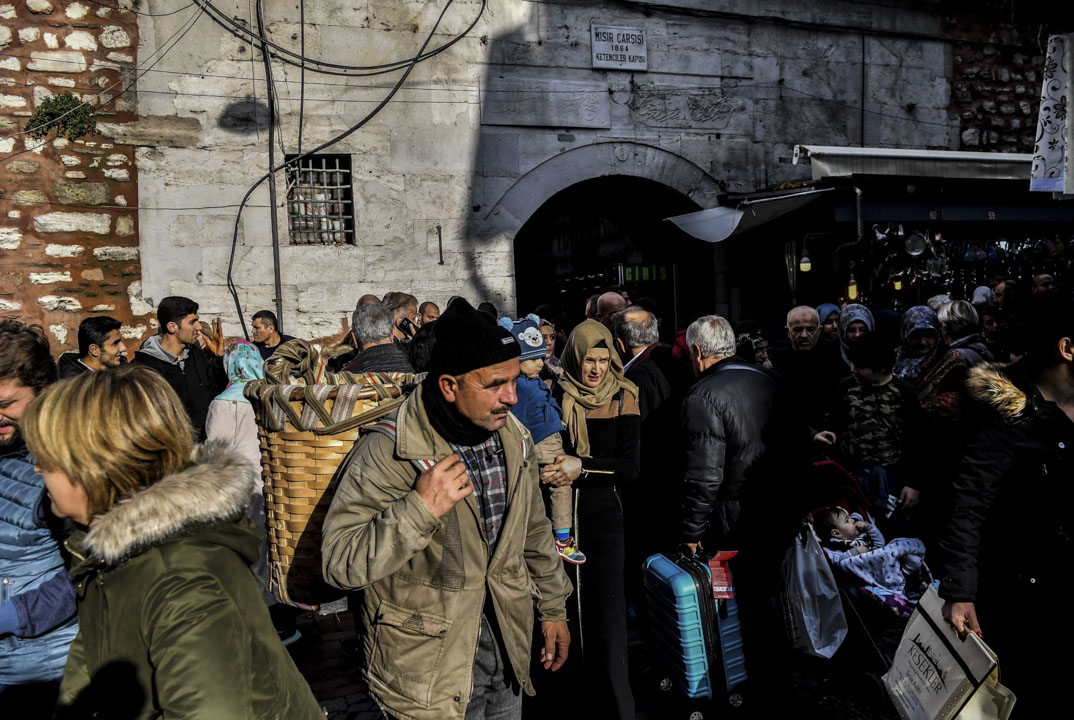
(467, 340)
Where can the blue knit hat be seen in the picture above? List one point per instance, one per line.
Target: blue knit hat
(527, 332)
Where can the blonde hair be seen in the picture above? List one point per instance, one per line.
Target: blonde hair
(112, 432)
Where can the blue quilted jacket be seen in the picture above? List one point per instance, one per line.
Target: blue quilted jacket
(30, 558)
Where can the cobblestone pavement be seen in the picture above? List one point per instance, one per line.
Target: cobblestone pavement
(819, 693)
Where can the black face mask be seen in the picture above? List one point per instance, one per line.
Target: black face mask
(448, 422)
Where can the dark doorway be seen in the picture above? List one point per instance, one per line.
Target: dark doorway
(609, 232)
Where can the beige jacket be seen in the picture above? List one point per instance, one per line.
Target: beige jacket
(426, 578)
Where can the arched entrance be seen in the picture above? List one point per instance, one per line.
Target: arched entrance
(607, 232)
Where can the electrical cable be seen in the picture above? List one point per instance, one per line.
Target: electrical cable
(139, 12)
(302, 76)
(193, 20)
(292, 58)
(273, 220)
(327, 143)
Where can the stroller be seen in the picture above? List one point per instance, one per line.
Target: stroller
(876, 615)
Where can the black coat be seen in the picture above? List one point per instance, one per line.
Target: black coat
(69, 365)
(196, 383)
(744, 442)
(1010, 530)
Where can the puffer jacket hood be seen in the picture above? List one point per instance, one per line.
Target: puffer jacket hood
(217, 486)
(165, 590)
(990, 385)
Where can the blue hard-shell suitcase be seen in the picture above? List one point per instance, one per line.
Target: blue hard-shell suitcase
(697, 637)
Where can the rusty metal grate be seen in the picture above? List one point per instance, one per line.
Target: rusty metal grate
(320, 201)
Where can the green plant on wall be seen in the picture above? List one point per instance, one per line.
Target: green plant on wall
(65, 113)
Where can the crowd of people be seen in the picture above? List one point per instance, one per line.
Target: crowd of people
(496, 523)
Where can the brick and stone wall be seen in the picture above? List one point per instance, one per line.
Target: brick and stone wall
(68, 209)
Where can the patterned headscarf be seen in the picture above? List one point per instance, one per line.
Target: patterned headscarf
(853, 313)
(579, 397)
(919, 317)
(243, 363)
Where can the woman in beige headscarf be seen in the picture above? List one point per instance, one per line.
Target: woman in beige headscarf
(603, 426)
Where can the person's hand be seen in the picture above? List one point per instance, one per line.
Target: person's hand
(908, 498)
(825, 437)
(963, 617)
(216, 345)
(443, 485)
(692, 547)
(862, 526)
(557, 639)
(564, 471)
(860, 550)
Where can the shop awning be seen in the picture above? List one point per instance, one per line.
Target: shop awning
(719, 223)
(832, 161)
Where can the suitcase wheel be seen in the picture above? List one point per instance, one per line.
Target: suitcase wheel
(665, 684)
(696, 715)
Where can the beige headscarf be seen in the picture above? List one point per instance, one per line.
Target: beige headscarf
(579, 397)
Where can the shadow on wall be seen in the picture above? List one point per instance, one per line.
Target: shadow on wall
(245, 117)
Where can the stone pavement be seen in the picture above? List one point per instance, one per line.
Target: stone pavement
(334, 678)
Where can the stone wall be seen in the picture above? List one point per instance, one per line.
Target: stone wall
(68, 227)
(996, 78)
(731, 87)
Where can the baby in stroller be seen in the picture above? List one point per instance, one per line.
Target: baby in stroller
(895, 573)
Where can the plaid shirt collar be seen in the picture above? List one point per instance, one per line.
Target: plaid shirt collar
(486, 466)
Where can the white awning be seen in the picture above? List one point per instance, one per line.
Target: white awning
(719, 223)
(833, 161)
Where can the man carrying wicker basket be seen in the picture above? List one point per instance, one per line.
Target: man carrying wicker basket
(438, 516)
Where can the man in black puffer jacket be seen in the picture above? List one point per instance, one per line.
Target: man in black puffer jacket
(1007, 547)
(745, 448)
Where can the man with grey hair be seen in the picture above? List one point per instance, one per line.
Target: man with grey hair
(651, 517)
(744, 448)
(373, 326)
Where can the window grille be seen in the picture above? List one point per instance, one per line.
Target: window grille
(320, 201)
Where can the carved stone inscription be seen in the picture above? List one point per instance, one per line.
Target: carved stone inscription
(678, 107)
(541, 103)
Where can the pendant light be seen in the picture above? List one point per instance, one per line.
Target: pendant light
(852, 285)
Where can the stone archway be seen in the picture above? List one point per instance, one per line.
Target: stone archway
(619, 157)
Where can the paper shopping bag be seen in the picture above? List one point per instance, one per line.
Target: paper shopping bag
(936, 675)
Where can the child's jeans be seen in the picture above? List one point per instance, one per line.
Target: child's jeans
(560, 498)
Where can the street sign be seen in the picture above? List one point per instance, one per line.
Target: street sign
(619, 48)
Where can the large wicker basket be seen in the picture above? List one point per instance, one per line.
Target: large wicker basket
(308, 421)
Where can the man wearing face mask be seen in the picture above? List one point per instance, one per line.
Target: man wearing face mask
(37, 602)
(439, 517)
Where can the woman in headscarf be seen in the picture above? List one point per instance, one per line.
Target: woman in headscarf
(829, 321)
(855, 320)
(920, 342)
(603, 426)
(231, 420)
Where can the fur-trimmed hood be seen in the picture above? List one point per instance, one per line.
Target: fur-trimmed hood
(216, 487)
(989, 384)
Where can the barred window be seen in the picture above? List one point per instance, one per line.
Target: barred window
(320, 201)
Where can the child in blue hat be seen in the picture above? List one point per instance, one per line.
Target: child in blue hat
(541, 415)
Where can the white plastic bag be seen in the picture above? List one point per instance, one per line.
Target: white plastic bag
(939, 675)
(811, 605)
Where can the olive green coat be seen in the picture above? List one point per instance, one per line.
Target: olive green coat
(171, 619)
(427, 579)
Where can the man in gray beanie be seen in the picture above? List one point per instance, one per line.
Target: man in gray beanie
(439, 516)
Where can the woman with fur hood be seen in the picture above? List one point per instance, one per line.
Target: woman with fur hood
(1007, 547)
(171, 620)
